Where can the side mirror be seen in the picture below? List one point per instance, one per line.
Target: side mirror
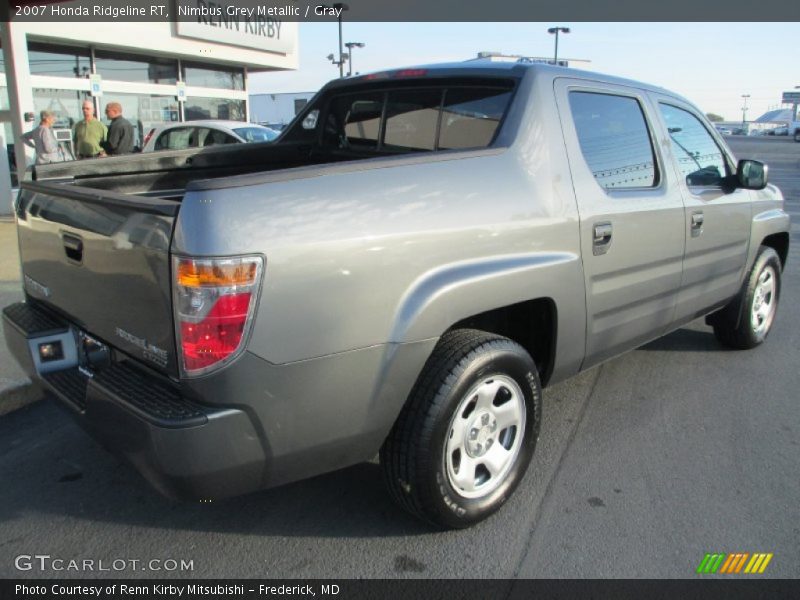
(751, 175)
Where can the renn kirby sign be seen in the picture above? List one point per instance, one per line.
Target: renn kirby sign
(257, 27)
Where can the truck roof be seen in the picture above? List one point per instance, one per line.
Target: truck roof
(487, 68)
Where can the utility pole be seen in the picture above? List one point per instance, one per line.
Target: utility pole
(744, 110)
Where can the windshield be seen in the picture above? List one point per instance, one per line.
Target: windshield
(256, 134)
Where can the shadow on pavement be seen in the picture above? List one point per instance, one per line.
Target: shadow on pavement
(57, 469)
(687, 340)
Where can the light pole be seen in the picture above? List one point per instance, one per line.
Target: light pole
(744, 110)
(556, 31)
(339, 7)
(338, 63)
(350, 46)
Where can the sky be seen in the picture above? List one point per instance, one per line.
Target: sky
(712, 64)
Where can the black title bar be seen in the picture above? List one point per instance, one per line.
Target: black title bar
(401, 11)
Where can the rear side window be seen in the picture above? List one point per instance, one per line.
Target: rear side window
(700, 160)
(177, 139)
(213, 137)
(417, 119)
(614, 140)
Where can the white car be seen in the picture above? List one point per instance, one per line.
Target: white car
(198, 134)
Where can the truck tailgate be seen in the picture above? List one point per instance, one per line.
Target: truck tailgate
(101, 259)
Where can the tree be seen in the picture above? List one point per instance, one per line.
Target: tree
(714, 118)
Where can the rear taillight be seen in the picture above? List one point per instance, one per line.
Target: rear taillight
(215, 301)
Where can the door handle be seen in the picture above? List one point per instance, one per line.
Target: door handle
(73, 247)
(601, 238)
(697, 223)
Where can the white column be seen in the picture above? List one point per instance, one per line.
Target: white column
(5, 182)
(247, 97)
(20, 92)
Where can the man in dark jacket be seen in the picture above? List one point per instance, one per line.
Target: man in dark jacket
(120, 131)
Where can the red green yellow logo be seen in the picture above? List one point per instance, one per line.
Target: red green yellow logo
(734, 563)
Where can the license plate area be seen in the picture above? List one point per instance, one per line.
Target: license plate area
(66, 350)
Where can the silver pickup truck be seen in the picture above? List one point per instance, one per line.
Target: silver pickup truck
(419, 253)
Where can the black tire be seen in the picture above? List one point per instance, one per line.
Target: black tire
(736, 325)
(415, 457)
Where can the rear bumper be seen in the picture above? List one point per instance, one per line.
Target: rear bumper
(185, 449)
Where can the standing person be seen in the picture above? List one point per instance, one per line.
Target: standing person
(120, 131)
(89, 134)
(44, 140)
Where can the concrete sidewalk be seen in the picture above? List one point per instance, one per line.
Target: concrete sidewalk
(15, 387)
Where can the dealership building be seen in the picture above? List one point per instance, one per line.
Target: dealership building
(158, 71)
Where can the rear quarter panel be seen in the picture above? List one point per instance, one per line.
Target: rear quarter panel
(391, 251)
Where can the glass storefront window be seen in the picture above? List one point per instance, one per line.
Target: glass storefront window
(219, 77)
(141, 69)
(144, 111)
(66, 104)
(61, 61)
(213, 108)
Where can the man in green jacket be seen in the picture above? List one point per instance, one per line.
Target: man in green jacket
(89, 134)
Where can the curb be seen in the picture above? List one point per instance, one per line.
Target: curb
(18, 394)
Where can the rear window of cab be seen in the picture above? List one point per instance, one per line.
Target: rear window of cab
(417, 119)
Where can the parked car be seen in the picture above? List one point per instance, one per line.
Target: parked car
(201, 134)
(724, 130)
(782, 130)
(276, 126)
(421, 252)
(794, 127)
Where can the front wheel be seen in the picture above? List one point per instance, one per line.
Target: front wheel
(759, 303)
(468, 431)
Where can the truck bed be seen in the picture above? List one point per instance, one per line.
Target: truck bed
(167, 174)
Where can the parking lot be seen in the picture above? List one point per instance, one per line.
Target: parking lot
(644, 464)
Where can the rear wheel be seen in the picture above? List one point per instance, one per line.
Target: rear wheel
(759, 303)
(467, 433)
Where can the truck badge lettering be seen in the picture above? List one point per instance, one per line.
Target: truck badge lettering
(35, 286)
(150, 351)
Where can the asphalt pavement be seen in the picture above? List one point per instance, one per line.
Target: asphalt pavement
(644, 464)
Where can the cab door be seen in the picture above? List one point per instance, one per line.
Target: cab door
(631, 215)
(717, 220)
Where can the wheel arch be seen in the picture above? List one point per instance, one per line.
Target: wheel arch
(533, 324)
(533, 299)
(780, 243)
